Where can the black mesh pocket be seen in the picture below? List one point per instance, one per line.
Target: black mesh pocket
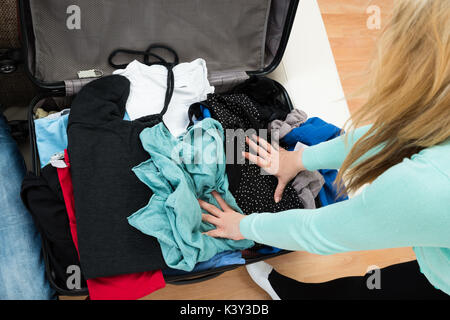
(9, 31)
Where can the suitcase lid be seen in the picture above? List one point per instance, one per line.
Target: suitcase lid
(236, 38)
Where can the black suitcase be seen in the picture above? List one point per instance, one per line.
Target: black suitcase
(252, 37)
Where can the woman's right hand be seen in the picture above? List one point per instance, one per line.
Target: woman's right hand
(283, 164)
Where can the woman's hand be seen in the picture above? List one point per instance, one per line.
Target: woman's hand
(226, 220)
(283, 164)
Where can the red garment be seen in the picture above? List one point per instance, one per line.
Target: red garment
(121, 287)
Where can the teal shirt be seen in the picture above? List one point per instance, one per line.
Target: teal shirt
(180, 171)
(406, 206)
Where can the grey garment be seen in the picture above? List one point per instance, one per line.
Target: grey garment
(293, 120)
(307, 183)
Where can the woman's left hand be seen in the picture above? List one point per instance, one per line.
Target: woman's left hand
(226, 220)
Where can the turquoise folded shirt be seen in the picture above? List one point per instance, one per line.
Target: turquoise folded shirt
(51, 135)
(180, 171)
(406, 206)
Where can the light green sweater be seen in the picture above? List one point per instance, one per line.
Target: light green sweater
(407, 206)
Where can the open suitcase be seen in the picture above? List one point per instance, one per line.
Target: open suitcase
(238, 39)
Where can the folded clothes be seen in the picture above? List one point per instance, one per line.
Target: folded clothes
(43, 197)
(280, 128)
(103, 148)
(267, 94)
(312, 132)
(41, 113)
(222, 259)
(268, 250)
(179, 172)
(51, 135)
(148, 91)
(307, 183)
(254, 191)
(121, 287)
(49, 198)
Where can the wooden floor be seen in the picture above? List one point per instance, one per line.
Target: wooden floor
(352, 44)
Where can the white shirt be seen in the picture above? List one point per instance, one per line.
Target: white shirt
(148, 89)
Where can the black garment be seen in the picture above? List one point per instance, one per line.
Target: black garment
(43, 197)
(254, 192)
(103, 149)
(398, 282)
(271, 99)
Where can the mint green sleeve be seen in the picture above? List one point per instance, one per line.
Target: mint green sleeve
(403, 207)
(331, 154)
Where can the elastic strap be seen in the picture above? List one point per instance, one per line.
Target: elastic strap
(159, 61)
(169, 91)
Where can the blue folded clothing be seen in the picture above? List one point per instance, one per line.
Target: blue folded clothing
(312, 132)
(222, 259)
(51, 135)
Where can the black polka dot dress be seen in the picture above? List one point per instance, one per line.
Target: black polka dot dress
(254, 191)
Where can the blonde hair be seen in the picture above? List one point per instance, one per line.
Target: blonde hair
(408, 92)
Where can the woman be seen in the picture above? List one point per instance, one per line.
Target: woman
(402, 159)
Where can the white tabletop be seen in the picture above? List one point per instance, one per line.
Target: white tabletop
(308, 70)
